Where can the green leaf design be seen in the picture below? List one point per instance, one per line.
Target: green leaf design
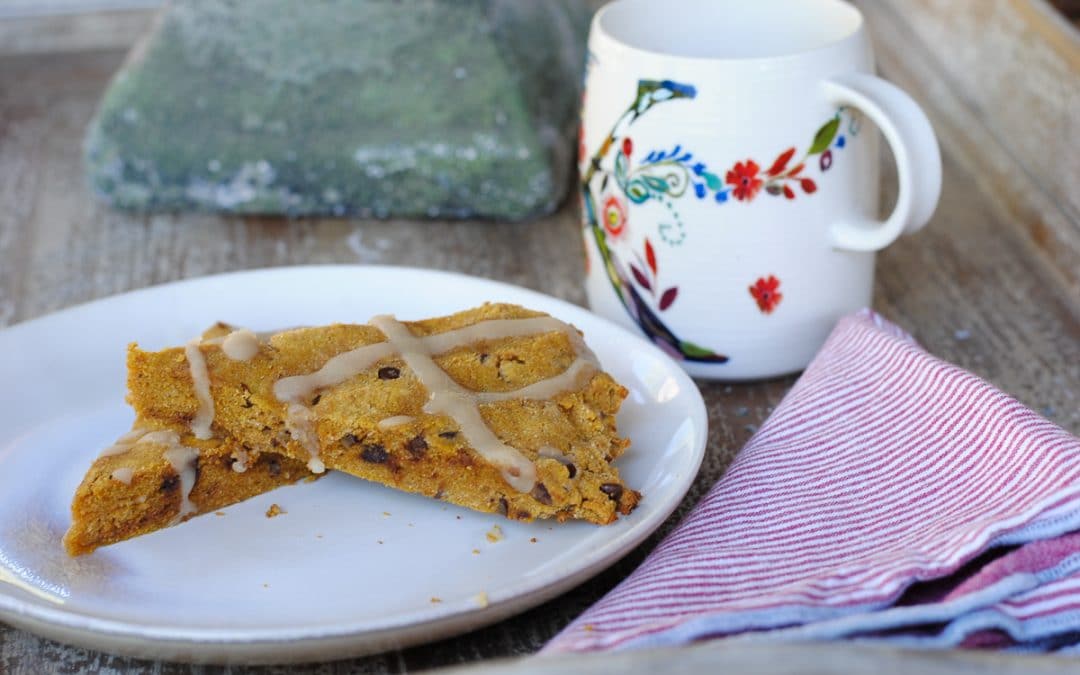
(824, 136)
(695, 351)
(713, 181)
(621, 168)
(646, 87)
(656, 184)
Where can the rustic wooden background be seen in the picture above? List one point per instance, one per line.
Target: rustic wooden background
(993, 284)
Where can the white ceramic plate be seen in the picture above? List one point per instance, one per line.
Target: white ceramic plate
(352, 567)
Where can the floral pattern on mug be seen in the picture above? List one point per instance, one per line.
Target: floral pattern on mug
(615, 218)
(666, 176)
(657, 181)
(766, 292)
(744, 178)
(650, 282)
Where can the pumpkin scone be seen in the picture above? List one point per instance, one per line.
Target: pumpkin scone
(499, 408)
(153, 478)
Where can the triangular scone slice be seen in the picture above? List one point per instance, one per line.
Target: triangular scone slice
(499, 408)
(154, 478)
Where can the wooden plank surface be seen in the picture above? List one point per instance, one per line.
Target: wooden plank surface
(990, 285)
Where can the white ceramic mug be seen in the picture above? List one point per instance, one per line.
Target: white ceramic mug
(729, 183)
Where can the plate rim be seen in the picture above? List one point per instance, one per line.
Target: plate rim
(220, 643)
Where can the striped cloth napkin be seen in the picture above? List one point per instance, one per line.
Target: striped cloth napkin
(891, 496)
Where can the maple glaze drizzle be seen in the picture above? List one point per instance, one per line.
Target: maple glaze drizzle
(124, 474)
(395, 421)
(204, 416)
(300, 423)
(125, 442)
(240, 345)
(446, 397)
(182, 458)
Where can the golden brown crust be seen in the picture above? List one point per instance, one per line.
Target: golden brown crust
(107, 510)
(427, 455)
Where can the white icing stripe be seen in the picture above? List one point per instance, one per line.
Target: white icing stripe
(300, 423)
(124, 474)
(124, 443)
(553, 453)
(573, 378)
(335, 371)
(240, 460)
(182, 459)
(497, 329)
(396, 421)
(416, 354)
(447, 397)
(240, 345)
(516, 468)
(204, 417)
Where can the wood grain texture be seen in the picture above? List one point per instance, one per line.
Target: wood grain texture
(29, 32)
(991, 285)
(1003, 78)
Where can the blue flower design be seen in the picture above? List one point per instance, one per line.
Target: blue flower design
(840, 142)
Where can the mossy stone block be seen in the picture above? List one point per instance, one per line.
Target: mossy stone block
(411, 108)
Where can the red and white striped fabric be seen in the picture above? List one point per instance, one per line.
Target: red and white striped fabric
(884, 467)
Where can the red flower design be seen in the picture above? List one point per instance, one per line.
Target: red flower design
(744, 178)
(614, 217)
(766, 291)
(627, 146)
(582, 150)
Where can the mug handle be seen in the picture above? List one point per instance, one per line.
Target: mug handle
(918, 159)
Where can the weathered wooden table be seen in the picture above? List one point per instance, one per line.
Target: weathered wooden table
(993, 284)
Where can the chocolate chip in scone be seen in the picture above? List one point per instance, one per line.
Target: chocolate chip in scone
(571, 469)
(389, 373)
(448, 434)
(464, 457)
(315, 401)
(349, 440)
(483, 357)
(374, 453)
(504, 506)
(540, 493)
(170, 483)
(274, 467)
(613, 490)
(417, 446)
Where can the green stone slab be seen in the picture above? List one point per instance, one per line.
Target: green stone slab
(411, 108)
